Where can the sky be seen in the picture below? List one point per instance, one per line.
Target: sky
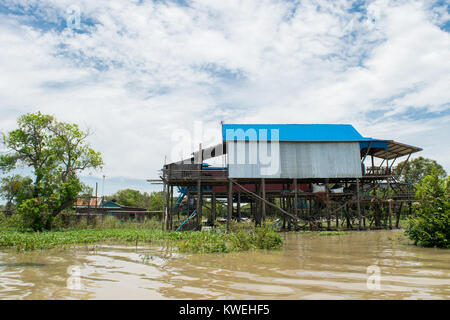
(146, 76)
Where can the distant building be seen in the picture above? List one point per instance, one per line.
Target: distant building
(98, 205)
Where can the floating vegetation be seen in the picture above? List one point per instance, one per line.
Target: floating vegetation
(189, 241)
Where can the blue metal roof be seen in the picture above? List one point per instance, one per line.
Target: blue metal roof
(293, 132)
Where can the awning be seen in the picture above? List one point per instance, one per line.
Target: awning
(395, 150)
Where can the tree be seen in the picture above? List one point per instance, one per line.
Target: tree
(156, 201)
(415, 170)
(431, 226)
(14, 189)
(56, 152)
(134, 198)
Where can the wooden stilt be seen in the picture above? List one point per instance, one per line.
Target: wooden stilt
(229, 204)
(295, 198)
(263, 203)
(239, 207)
(199, 204)
(213, 209)
(289, 209)
(327, 190)
(389, 203)
(364, 217)
(358, 203)
(310, 213)
(399, 212)
(337, 219)
(171, 208)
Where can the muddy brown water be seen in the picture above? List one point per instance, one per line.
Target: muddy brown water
(360, 265)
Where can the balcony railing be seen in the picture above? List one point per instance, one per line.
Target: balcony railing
(377, 171)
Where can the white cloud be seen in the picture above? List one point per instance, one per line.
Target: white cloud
(145, 69)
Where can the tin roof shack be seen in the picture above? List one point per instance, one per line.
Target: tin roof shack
(97, 206)
(315, 175)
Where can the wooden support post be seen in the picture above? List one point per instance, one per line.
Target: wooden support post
(213, 209)
(199, 204)
(364, 216)
(166, 206)
(263, 203)
(295, 198)
(399, 212)
(171, 208)
(327, 190)
(258, 205)
(289, 209)
(310, 213)
(373, 164)
(229, 204)
(347, 216)
(199, 188)
(358, 203)
(389, 203)
(337, 219)
(239, 206)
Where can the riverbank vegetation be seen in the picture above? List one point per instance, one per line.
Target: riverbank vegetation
(113, 230)
(431, 225)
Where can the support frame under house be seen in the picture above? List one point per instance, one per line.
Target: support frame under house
(324, 177)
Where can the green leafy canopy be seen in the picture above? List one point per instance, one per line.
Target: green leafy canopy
(56, 152)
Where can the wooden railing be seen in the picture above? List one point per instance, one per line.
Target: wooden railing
(377, 171)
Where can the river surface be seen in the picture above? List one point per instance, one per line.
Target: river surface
(359, 265)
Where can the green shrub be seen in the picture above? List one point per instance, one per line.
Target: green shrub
(265, 237)
(14, 221)
(431, 226)
(2, 221)
(241, 241)
(33, 214)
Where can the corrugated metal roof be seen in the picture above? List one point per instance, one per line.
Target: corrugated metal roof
(292, 132)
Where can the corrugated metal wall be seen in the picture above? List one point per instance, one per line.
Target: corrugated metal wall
(320, 160)
(295, 160)
(249, 164)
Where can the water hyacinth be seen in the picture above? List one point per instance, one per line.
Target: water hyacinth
(188, 242)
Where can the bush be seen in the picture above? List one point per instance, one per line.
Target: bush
(33, 214)
(431, 226)
(2, 220)
(266, 238)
